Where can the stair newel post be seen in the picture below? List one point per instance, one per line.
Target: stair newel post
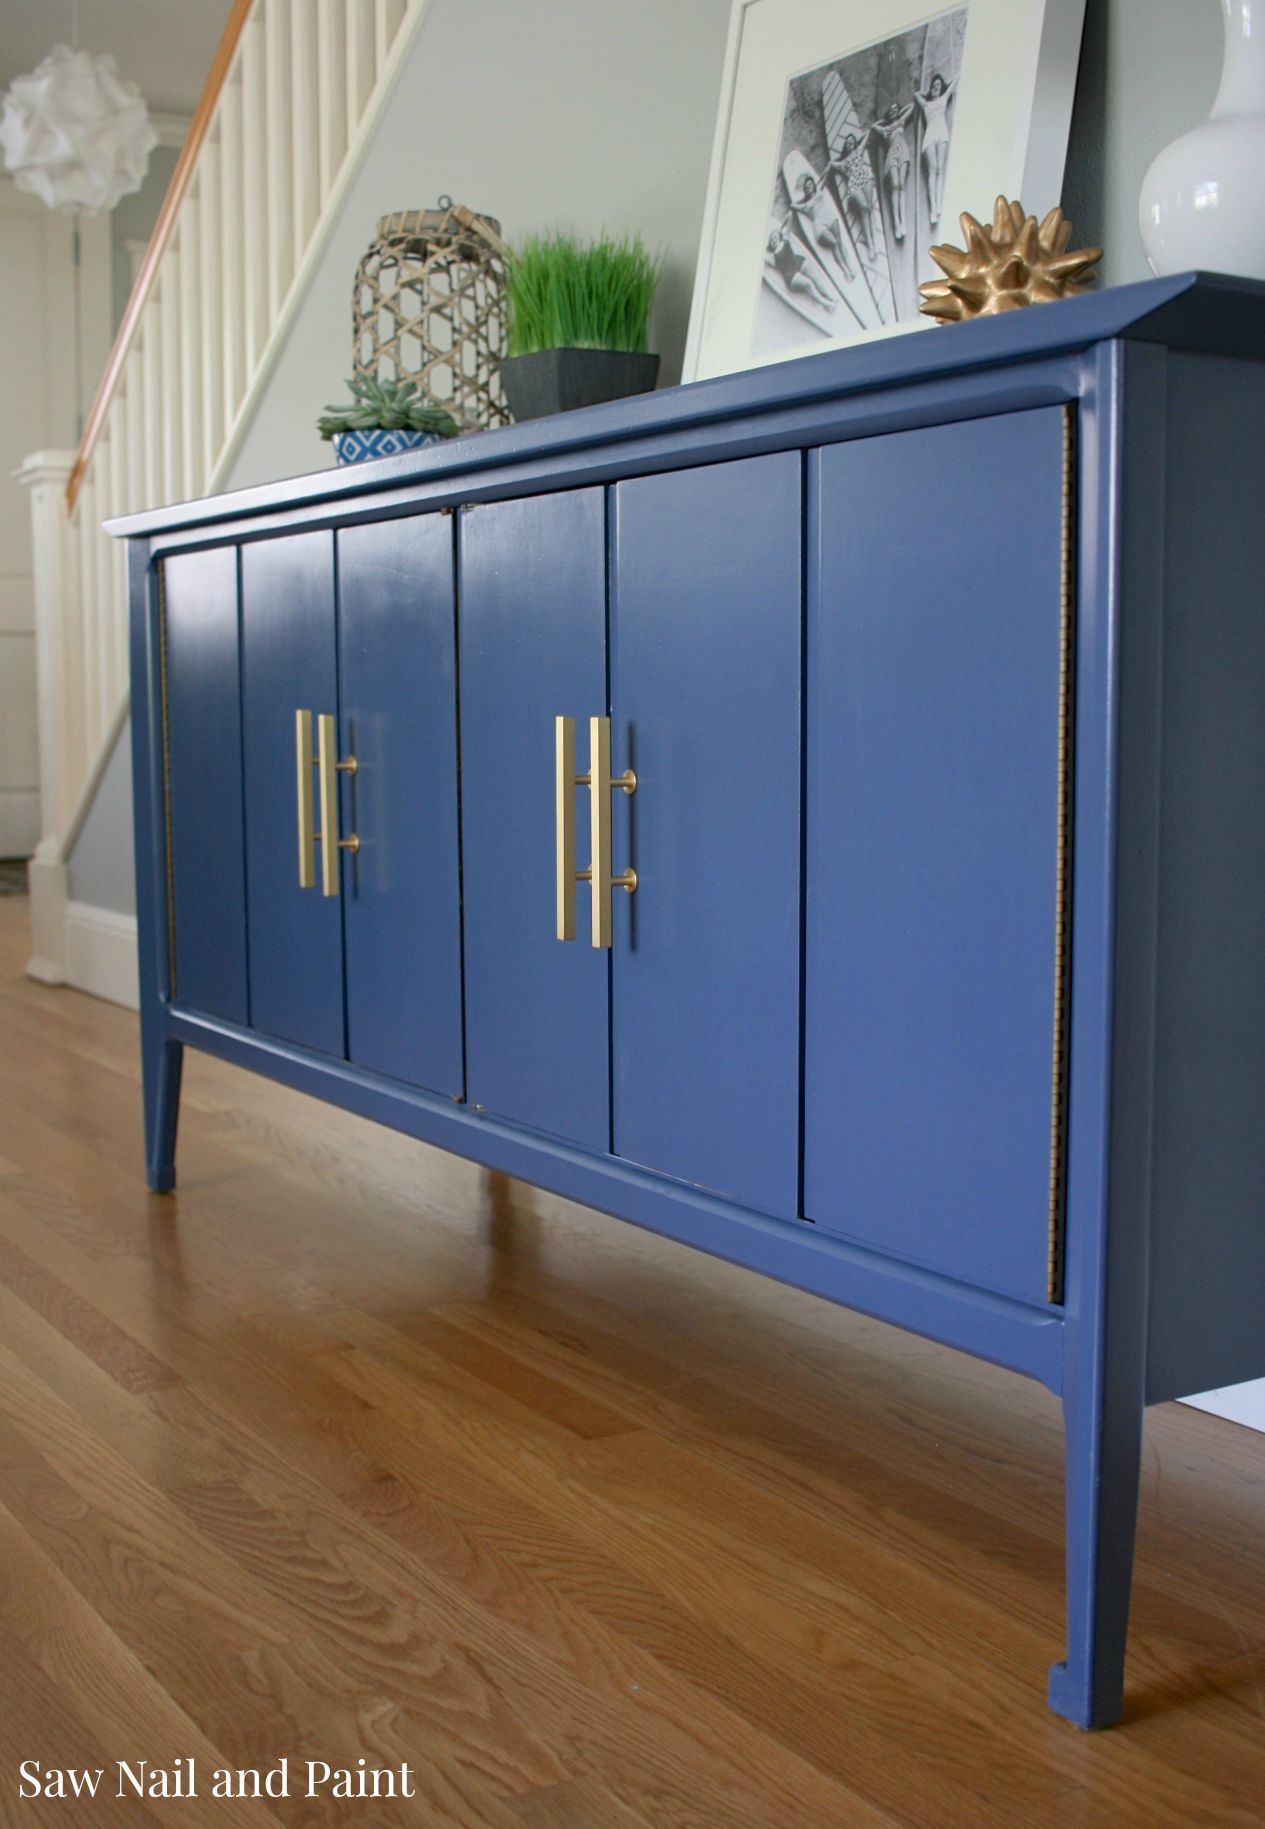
(59, 696)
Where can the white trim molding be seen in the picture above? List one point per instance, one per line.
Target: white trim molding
(59, 659)
(100, 953)
(242, 248)
(46, 880)
(90, 949)
(172, 129)
(1239, 1403)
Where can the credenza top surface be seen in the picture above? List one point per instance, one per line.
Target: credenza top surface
(1215, 314)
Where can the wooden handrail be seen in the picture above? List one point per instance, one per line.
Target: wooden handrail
(180, 180)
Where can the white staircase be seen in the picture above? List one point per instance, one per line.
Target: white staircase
(291, 101)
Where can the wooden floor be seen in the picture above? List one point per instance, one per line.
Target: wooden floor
(351, 1450)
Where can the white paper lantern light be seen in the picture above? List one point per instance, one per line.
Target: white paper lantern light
(75, 133)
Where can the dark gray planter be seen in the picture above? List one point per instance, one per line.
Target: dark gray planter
(555, 380)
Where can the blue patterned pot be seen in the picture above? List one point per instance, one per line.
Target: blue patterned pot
(355, 447)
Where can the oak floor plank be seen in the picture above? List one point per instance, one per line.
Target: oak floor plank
(578, 1804)
(354, 1451)
(123, 1359)
(463, 1778)
(375, 1608)
(203, 1667)
(530, 1571)
(531, 1567)
(704, 1646)
(124, 1542)
(127, 1424)
(734, 1583)
(126, 1709)
(39, 1724)
(1013, 1556)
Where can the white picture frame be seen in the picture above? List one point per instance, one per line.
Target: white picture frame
(774, 281)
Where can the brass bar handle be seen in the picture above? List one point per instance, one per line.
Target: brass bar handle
(564, 826)
(303, 759)
(601, 786)
(566, 781)
(328, 769)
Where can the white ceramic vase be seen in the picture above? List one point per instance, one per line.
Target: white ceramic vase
(1203, 200)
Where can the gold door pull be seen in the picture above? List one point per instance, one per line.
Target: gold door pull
(328, 767)
(566, 781)
(303, 759)
(601, 786)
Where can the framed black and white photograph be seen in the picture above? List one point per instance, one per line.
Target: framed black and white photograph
(851, 135)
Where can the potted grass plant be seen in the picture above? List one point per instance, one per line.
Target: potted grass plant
(384, 418)
(577, 323)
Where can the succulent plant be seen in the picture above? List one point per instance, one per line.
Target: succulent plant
(387, 406)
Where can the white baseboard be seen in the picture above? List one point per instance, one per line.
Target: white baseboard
(46, 880)
(100, 953)
(1242, 1403)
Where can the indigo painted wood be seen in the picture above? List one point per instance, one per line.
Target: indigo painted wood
(533, 648)
(162, 1051)
(288, 664)
(1185, 311)
(1210, 1124)
(931, 527)
(932, 827)
(402, 888)
(705, 702)
(204, 737)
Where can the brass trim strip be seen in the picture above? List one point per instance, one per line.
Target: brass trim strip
(565, 779)
(166, 743)
(1062, 892)
(328, 769)
(326, 739)
(304, 798)
(602, 784)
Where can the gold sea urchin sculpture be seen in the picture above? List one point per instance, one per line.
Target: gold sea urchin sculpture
(1014, 263)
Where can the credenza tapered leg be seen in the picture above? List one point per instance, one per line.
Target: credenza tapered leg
(1103, 1448)
(161, 1057)
(161, 1063)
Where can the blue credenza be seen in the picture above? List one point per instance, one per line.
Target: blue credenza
(815, 814)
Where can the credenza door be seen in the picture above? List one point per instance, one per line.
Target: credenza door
(532, 649)
(289, 665)
(203, 788)
(705, 708)
(938, 643)
(401, 887)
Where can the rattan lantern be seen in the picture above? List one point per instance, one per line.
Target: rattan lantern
(429, 307)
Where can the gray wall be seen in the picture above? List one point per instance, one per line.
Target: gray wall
(100, 868)
(1149, 70)
(600, 113)
(584, 114)
(133, 219)
(579, 115)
